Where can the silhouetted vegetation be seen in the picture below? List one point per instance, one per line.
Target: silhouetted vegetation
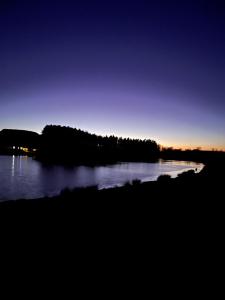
(164, 178)
(65, 145)
(69, 145)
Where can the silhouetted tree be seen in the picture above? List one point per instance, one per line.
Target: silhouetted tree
(60, 143)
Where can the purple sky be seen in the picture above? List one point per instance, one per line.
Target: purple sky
(146, 69)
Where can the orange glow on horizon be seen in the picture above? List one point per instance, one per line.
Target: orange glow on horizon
(204, 148)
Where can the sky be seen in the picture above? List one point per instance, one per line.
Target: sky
(139, 69)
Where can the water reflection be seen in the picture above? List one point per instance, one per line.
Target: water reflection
(13, 165)
(23, 177)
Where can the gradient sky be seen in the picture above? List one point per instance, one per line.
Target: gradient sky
(145, 69)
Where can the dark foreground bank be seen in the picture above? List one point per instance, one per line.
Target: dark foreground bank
(155, 225)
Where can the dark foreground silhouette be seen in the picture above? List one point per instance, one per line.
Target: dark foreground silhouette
(171, 225)
(66, 145)
(14, 141)
(60, 144)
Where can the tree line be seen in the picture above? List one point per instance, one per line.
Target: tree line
(61, 144)
(66, 144)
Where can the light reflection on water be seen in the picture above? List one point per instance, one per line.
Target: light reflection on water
(23, 177)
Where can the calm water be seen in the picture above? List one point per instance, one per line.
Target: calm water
(23, 177)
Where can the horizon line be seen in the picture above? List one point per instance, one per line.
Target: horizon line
(181, 147)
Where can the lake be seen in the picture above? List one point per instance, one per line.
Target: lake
(23, 177)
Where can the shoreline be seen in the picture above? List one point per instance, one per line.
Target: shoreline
(103, 186)
(128, 187)
(189, 200)
(208, 183)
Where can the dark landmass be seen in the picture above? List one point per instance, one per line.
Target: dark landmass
(195, 155)
(18, 142)
(170, 220)
(66, 145)
(73, 146)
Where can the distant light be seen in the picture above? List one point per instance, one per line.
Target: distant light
(24, 149)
